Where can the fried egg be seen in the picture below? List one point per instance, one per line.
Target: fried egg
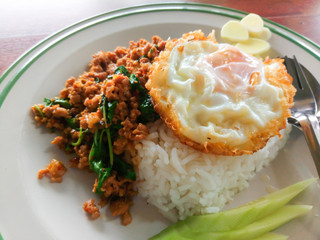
(218, 99)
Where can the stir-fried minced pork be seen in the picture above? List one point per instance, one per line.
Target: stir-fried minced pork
(99, 115)
(91, 208)
(55, 171)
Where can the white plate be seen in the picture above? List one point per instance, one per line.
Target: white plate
(33, 209)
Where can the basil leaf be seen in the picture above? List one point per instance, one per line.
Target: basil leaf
(71, 122)
(62, 102)
(122, 70)
(98, 150)
(108, 109)
(103, 107)
(148, 114)
(97, 158)
(47, 102)
(111, 108)
(124, 169)
(114, 128)
(136, 85)
(103, 174)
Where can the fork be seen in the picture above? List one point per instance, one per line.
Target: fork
(303, 112)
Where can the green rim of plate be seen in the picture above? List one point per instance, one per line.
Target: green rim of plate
(1, 238)
(141, 9)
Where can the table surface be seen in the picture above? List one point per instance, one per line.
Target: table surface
(24, 23)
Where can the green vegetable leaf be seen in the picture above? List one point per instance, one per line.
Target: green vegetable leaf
(47, 102)
(102, 171)
(148, 114)
(124, 169)
(107, 109)
(114, 128)
(97, 80)
(136, 85)
(39, 110)
(103, 107)
(101, 157)
(103, 174)
(98, 158)
(122, 70)
(111, 108)
(98, 150)
(62, 102)
(71, 122)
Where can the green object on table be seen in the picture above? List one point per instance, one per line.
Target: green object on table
(272, 236)
(258, 228)
(235, 218)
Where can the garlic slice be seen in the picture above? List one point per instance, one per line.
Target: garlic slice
(234, 31)
(254, 46)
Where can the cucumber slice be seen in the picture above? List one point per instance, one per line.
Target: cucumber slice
(258, 228)
(234, 218)
(272, 236)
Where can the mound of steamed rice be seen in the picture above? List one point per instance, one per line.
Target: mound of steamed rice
(181, 181)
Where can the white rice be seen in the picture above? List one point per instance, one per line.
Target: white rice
(181, 181)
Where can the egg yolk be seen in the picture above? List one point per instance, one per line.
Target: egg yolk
(230, 70)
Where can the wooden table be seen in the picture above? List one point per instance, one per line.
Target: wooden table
(24, 23)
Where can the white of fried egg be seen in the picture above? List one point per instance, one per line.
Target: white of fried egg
(217, 98)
